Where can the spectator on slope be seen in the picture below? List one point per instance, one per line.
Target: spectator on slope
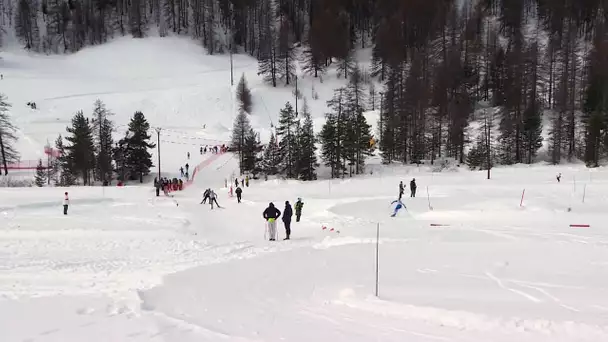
(236, 182)
(299, 205)
(242, 182)
(239, 192)
(181, 170)
(66, 203)
(401, 189)
(271, 214)
(559, 177)
(287, 213)
(201, 150)
(187, 167)
(205, 196)
(413, 187)
(157, 185)
(247, 181)
(213, 198)
(180, 185)
(188, 155)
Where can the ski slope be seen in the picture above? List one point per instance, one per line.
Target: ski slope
(125, 265)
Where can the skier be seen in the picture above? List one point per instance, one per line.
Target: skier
(247, 181)
(401, 189)
(213, 198)
(205, 196)
(238, 191)
(559, 177)
(188, 155)
(181, 170)
(236, 182)
(413, 187)
(398, 207)
(271, 214)
(299, 205)
(287, 213)
(187, 167)
(66, 203)
(201, 150)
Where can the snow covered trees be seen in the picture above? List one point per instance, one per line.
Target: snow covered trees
(287, 133)
(243, 94)
(8, 136)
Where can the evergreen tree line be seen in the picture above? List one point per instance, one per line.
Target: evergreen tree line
(441, 63)
(346, 137)
(291, 151)
(88, 154)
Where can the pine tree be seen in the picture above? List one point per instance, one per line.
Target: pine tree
(307, 163)
(26, 23)
(243, 94)
(59, 165)
(120, 155)
(8, 136)
(330, 145)
(102, 128)
(532, 138)
(40, 177)
(268, 51)
(272, 157)
(138, 158)
(252, 146)
(240, 129)
(286, 69)
(288, 141)
(80, 153)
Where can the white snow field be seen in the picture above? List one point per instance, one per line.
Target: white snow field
(125, 265)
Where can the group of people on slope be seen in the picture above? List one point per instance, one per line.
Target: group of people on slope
(398, 205)
(271, 214)
(413, 187)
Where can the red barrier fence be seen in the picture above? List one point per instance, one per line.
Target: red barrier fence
(26, 165)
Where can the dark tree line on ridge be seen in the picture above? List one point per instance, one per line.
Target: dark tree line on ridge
(517, 67)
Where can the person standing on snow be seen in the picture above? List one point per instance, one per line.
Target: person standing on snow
(271, 214)
(66, 203)
(213, 198)
(188, 155)
(299, 205)
(401, 189)
(236, 182)
(287, 213)
(413, 187)
(201, 150)
(559, 177)
(181, 170)
(238, 191)
(247, 181)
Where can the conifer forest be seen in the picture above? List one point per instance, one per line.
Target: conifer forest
(480, 82)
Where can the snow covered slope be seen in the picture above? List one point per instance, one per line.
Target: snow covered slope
(125, 265)
(171, 80)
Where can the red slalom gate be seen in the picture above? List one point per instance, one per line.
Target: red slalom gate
(580, 226)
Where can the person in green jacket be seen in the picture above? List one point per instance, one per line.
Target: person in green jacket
(299, 205)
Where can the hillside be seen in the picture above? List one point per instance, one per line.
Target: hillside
(171, 80)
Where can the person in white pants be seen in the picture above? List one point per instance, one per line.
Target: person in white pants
(66, 203)
(271, 214)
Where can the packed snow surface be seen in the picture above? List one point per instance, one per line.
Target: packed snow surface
(468, 261)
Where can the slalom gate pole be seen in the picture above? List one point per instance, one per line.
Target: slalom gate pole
(584, 192)
(580, 226)
(521, 202)
(428, 197)
(377, 255)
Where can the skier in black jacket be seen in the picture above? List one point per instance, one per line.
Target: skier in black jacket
(239, 192)
(287, 213)
(271, 214)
